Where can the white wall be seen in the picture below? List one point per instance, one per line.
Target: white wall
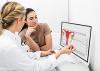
(88, 12)
(2, 2)
(49, 11)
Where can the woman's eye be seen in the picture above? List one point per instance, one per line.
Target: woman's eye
(31, 18)
(35, 17)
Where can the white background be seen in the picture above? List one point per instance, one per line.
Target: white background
(49, 11)
(88, 12)
(2, 2)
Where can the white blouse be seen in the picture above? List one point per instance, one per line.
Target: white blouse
(13, 57)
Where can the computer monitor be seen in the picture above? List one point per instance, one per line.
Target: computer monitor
(80, 40)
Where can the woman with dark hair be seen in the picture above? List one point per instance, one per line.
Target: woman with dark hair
(36, 35)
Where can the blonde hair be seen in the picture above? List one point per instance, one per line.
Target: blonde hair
(9, 12)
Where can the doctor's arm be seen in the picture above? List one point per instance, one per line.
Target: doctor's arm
(65, 50)
(19, 60)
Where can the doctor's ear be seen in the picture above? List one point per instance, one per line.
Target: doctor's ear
(18, 20)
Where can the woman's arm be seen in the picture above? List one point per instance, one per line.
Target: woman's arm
(32, 44)
(48, 41)
(29, 41)
(35, 47)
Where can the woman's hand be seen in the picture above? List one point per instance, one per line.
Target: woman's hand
(49, 52)
(46, 53)
(29, 31)
(35, 25)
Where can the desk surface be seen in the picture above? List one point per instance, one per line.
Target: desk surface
(73, 67)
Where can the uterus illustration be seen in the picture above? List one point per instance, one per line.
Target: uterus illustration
(69, 36)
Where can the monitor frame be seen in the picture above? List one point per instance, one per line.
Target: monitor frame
(90, 28)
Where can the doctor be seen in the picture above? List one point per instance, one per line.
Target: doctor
(12, 56)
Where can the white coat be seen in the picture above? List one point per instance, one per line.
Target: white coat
(14, 58)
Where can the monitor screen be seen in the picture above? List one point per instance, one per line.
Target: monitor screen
(77, 35)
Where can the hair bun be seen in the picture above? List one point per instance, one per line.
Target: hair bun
(2, 20)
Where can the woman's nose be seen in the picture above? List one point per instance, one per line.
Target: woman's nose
(35, 20)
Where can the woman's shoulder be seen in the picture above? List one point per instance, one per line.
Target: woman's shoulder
(45, 28)
(44, 25)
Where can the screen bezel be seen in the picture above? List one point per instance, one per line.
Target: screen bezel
(90, 27)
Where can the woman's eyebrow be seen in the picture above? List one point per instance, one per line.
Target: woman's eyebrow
(30, 17)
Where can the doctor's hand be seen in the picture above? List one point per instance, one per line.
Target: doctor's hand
(67, 49)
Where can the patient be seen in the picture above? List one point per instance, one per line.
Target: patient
(36, 35)
(12, 55)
